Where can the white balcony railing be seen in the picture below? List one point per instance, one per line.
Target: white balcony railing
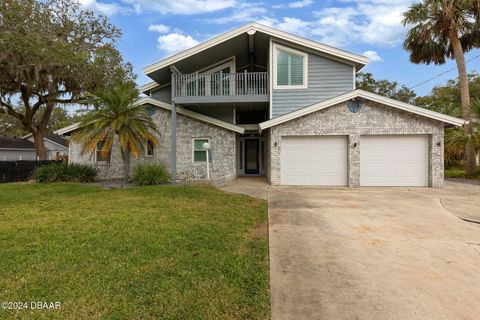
(221, 84)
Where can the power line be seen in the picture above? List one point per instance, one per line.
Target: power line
(443, 73)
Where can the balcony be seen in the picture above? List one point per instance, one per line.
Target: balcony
(221, 87)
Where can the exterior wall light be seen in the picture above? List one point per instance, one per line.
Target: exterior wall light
(439, 143)
(355, 145)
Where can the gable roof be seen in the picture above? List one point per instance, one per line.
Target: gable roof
(57, 139)
(365, 95)
(148, 86)
(52, 137)
(16, 143)
(357, 59)
(180, 110)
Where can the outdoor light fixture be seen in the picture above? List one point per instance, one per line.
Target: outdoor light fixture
(275, 143)
(439, 143)
(355, 145)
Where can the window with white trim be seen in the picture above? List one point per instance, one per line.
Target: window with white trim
(199, 153)
(290, 68)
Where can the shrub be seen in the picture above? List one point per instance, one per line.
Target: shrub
(150, 174)
(65, 173)
(460, 173)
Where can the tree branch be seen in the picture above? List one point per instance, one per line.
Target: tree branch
(46, 115)
(11, 110)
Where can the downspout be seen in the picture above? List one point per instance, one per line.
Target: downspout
(173, 149)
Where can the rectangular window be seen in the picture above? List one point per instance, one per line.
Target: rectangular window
(101, 154)
(290, 68)
(199, 153)
(150, 148)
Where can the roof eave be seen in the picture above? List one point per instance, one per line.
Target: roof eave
(188, 113)
(366, 95)
(191, 114)
(356, 59)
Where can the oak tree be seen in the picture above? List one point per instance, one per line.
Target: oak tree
(53, 53)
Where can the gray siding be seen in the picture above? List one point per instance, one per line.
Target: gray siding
(163, 94)
(326, 79)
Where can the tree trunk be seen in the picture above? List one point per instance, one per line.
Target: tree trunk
(39, 144)
(470, 164)
(126, 165)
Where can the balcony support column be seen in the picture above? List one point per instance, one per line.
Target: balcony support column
(173, 148)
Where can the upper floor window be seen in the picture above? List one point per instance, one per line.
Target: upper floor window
(290, 68)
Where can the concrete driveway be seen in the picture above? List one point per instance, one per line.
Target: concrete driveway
(374, 253)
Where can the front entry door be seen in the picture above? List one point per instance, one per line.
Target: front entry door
(252, 152)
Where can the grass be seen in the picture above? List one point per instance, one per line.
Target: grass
(460, 173)
(159, 252)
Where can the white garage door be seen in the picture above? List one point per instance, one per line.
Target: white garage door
(394, 160)
(319, 160)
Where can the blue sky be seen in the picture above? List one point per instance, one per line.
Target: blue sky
(154, 29)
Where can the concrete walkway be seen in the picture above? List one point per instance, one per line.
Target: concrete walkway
(251, 186)
(374, 253)
(461, 199)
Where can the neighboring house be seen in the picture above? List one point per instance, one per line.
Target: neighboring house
(12, 148)
(274, 104)
(57, 146)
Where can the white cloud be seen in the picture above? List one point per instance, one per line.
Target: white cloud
(373, 22)
(294, 5)
(245, 12)
(183, 7)
(160, 28)
(108, 9)
(372, 56)
(300, 4)
(174, 42)
(137, 8)
(293, 25)
(376, 22)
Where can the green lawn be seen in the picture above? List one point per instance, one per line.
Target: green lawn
(167, 252)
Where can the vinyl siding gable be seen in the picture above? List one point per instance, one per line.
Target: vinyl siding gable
(326, 79)
(163, 94)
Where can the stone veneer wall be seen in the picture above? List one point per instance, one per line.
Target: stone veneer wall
(372, 119)
(267, 153)
(222, 141)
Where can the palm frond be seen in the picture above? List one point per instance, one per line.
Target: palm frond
(431, 23)
(115, 114)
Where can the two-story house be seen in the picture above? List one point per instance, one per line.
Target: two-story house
(274, 104)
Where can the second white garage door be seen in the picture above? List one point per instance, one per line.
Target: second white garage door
(319, 160)
(394, 160)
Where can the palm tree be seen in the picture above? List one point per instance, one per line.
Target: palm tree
(446, 29)
(457, 138)
(116, 117)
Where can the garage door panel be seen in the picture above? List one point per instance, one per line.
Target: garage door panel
(318, 160)
(394, 160)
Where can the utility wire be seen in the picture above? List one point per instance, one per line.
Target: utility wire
(443, 73)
